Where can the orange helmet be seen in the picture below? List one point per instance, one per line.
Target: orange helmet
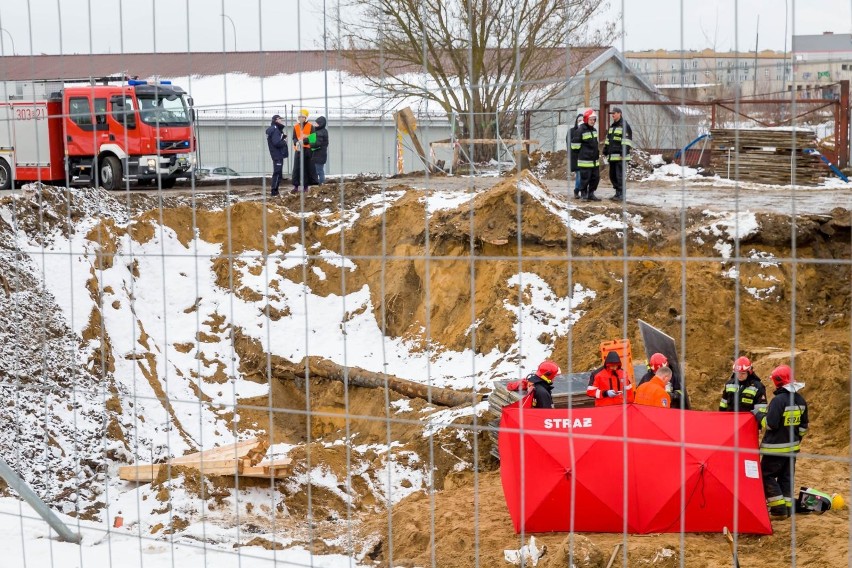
(657, 360)
(742, 365)
(782, 375)
(548, 370)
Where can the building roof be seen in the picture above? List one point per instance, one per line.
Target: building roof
(703, 54)
(823, 42)
(199, 64)
(182, 64)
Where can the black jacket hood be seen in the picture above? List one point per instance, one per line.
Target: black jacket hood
(612, 357)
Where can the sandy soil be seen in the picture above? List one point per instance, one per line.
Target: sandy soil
(674, 276)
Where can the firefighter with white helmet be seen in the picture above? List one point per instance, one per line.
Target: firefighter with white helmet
(744, 391)
(786, 423)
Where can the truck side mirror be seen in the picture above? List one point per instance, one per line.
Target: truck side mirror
(190, 102)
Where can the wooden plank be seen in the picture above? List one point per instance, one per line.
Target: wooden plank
(145, 473)
(231, 451)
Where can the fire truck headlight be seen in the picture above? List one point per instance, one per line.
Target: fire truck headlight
(152, 163)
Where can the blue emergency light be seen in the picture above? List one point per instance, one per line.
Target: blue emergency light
(135, 82)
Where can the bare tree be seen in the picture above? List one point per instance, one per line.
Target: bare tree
(484, 59)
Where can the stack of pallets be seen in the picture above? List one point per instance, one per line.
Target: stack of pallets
(244, 459)
(568, 391)
(765, 155)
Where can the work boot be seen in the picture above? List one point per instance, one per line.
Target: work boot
(275, 193)
(779, 512)
(616, 197)
(576, 195)
(593, 197)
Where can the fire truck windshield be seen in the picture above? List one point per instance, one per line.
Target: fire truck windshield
(165, 110)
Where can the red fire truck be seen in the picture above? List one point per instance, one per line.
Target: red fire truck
(101, 133)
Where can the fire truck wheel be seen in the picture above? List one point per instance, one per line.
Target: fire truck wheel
(5, 175)
(168, 183)
(110, 171)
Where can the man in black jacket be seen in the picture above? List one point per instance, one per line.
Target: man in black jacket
(588, 158)
(277, 142)
(319, 148)
(786, 423)
(619, 142)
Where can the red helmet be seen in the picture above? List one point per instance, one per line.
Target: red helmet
(588, 115)
(742, 365)
(548, 370)
(782, 375)
(657, 360)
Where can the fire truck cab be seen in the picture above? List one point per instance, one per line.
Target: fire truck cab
(95, 134)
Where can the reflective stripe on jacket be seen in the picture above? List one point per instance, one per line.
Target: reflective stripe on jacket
(602, 380)
(744, 396)
(588, 156)
(619, 135)
(786, 423)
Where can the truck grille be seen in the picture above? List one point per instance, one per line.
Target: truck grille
(174, 144)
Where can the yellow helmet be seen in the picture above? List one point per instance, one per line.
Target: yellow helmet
(837, 502)
(304, 112)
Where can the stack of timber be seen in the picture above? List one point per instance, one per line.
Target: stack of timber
(244, 459)
(569, 391)
(765, 155)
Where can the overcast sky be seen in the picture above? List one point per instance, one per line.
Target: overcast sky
(115, 26)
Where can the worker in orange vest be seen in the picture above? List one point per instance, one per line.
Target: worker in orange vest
(653, 392)
(609, 385)
(304, 172)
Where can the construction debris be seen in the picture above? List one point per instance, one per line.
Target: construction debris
(245, 459)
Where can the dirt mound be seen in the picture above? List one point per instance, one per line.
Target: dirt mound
(550, 165)
(441, 280)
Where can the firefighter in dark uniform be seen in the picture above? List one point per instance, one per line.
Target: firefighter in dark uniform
(542, 384)
(589, 157)
(786, 423)
(619, 142)
(744, 391)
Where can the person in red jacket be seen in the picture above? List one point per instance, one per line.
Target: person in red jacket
(609, 385)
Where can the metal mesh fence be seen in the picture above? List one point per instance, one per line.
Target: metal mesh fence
(206, 363)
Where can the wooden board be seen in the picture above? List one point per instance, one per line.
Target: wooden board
(145, 473)
(224, 460)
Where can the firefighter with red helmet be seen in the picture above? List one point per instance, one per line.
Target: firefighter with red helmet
(786, 423)
(655, 363)
(744, 391)
(609, 385)
(588, 157)
(542, 384)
